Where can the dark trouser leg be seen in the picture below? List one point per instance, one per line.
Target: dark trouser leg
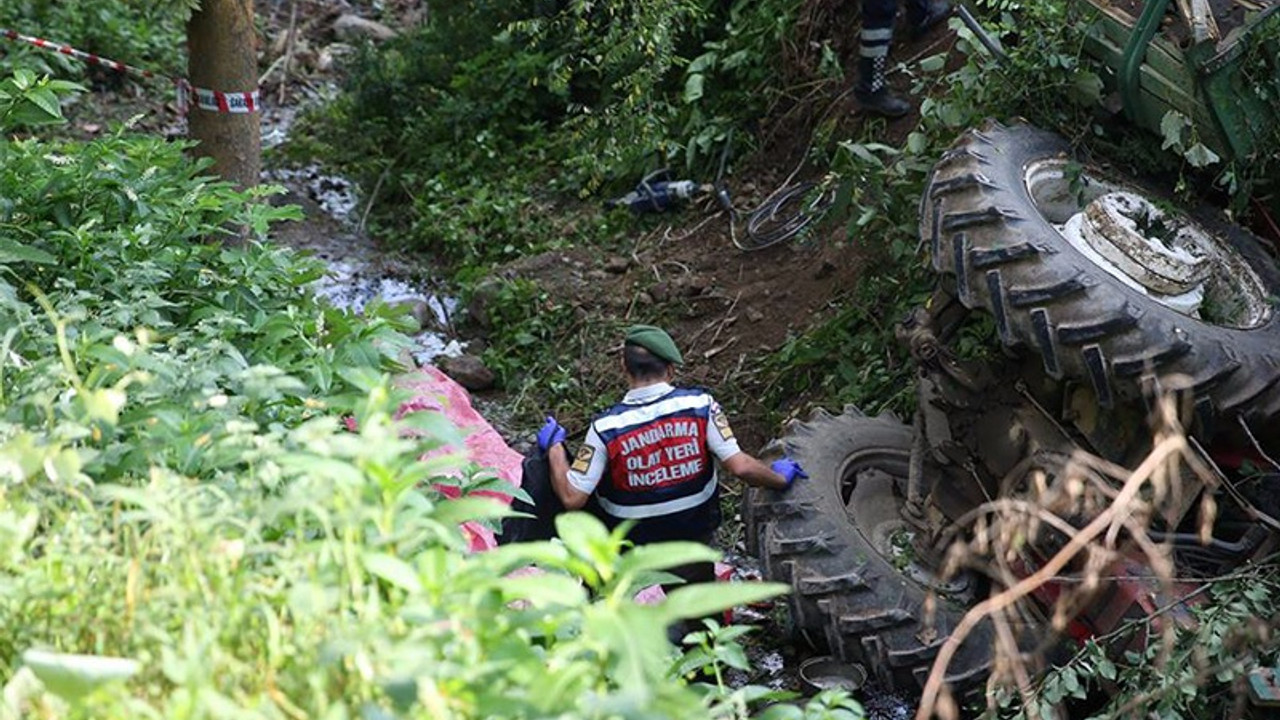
(701, 572)
(924, 14)
(872, 90)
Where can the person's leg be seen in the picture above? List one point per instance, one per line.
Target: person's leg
(699, 572)
(872, 91)
(924, 14)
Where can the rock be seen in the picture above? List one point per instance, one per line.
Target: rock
(352, 28)
(331, 56)
(482, 298)
(422, 312)
(468, 371)
(617, 264)
(661, 292)
(596, 276)
(754, 315)
(644, 299)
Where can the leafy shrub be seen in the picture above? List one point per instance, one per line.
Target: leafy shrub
(501, 117)
(143, 34)
(178, 488)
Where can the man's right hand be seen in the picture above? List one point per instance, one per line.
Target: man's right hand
(551, 434)
(789, 470)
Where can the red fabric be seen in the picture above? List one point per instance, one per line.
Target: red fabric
(433, 390)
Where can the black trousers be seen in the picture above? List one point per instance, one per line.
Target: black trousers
(880, 14)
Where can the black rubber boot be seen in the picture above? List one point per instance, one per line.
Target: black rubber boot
(873, 93)
(926, 15)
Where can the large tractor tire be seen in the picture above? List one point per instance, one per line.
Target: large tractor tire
(838, 538)
(1028, 235)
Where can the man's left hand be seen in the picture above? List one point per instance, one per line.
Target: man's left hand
(551, 434)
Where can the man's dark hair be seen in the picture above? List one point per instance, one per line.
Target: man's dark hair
(642, 364)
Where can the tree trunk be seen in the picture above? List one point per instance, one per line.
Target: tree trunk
(222, 56)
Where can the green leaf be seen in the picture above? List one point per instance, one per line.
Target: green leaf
(1200, 156)
(703, 62)
(506, 558)
(317, 466)
(581, 533)
(545, 589)
(1086, 88)
(693, 87)
(782, 712)
(933, 63)
(74, 676)
(393, 570)
(660, 556)
(433, 424)
(104, 404)
(47, 101)
(695, 601)
(470, 508)
(12, 251)
(1171, 127)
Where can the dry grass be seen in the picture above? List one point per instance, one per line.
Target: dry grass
(1101, 513)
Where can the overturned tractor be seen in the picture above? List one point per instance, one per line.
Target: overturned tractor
(1113, 441)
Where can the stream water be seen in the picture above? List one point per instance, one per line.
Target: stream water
(359, 272)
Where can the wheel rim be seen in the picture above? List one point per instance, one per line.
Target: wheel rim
(1160, 253)
(870, 486)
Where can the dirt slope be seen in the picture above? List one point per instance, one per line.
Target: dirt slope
(729, 308)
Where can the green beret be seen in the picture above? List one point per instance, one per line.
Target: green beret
(655, 340)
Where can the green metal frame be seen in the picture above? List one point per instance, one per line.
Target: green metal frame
(1204, 82)
(1135, 53)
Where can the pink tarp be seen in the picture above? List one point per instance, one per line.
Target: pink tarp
(433, 390)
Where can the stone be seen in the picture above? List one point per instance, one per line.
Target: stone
(331, 57)
(483, 295)
(422, 312)
(754, 315)
(661, 292)
(468, 370)
(616, 264)
(352, 28)
(644, 299)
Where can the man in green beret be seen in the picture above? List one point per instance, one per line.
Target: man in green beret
(651, 457)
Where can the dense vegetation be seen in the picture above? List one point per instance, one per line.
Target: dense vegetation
(190, 527)
(179, 488)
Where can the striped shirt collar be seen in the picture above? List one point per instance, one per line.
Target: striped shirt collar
(648, 393)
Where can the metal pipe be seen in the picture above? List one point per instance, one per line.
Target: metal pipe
(1135, 52)
(990, 43)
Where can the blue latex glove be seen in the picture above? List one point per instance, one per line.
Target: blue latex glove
(551, 434)
(789, 470)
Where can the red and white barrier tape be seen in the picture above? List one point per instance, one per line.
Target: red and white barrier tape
(214, 101)
(210, 100)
